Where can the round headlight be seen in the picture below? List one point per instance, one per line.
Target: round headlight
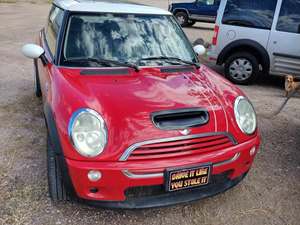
(245, 115)
(88, 132)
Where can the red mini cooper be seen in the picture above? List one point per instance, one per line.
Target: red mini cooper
(133, 119)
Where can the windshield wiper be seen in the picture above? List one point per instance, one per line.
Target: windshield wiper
(101, 61)
(170, 59)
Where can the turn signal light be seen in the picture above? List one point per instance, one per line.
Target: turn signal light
(216, 34)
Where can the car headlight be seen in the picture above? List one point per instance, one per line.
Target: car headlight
(245, 115)
(88, 133)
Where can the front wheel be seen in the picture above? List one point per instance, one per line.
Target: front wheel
(242, 68)
(182, 18)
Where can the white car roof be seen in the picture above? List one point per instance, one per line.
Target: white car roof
(109, 6)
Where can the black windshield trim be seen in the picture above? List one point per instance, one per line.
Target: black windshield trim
(178, 69)
(110, 71)
(102, 61)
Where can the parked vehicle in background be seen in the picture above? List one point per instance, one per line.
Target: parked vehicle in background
(188, 13)
(257, 36)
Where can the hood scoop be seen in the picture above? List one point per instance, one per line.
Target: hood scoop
(180, 119)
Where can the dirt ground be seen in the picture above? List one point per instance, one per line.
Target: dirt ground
(269, 195)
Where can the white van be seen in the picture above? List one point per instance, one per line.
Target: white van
(257, 36)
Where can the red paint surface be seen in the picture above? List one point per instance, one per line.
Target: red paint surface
(126, 102)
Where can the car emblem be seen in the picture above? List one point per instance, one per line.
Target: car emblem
(185, 131)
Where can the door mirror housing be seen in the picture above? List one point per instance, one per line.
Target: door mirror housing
(199, 49)
(32, 51)
(299, 29)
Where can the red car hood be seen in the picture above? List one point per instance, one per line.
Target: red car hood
(127, 101)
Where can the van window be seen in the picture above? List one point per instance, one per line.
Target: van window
(255, 13)
(289, 18)
(53, 26)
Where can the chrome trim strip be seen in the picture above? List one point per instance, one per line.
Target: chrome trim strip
(129, 150)
(129, 174)
(234, 158)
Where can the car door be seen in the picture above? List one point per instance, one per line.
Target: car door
(284, 42)
(48, 40)
(205, 9)
(244, 21)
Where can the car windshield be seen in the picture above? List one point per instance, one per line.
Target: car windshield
(145, 40)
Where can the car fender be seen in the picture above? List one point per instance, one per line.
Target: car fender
(54, 137)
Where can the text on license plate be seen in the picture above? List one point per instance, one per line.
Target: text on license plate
(179, 179)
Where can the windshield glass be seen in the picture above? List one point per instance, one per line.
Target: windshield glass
(125, 38)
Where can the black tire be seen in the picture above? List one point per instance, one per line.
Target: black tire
(56, 187)
(247, 75)
(182, 18)
(191, 23)
(37, 84)
(199, 41)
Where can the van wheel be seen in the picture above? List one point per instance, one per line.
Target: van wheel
(191, 23)
(241, 68)
(37, 84)
(56, 187)
(182, 18)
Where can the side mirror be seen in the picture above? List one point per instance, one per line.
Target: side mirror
(200, 50)
(32, 51)
(299, 29)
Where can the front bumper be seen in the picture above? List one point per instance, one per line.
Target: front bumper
(219, 183)
(118, 180)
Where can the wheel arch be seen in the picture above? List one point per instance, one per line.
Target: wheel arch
(54, 137)
(176, 10)
(246, 45)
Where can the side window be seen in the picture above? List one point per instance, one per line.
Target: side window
(289, 17)
(53, 26)
(254, 13)
(206, 2)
